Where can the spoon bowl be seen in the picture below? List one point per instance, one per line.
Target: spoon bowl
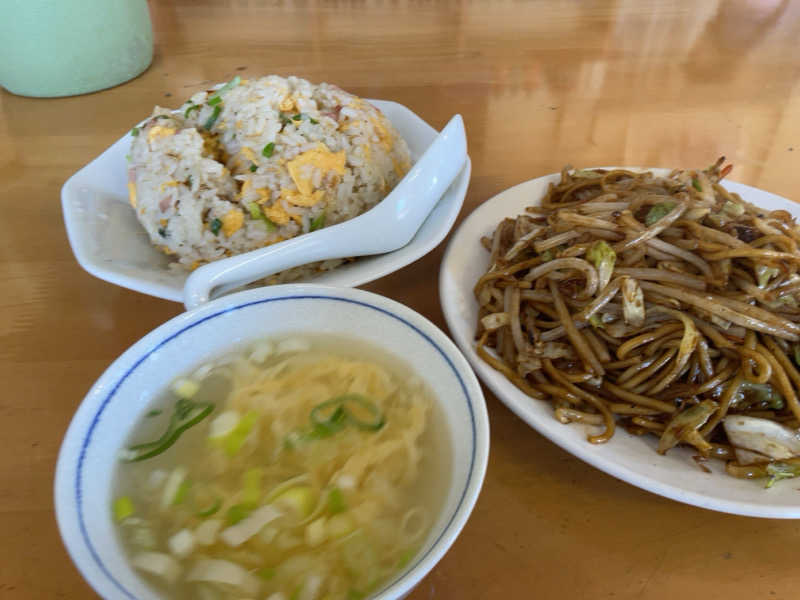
(388, 226)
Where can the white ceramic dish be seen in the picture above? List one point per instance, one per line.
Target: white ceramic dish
(627, 457)
(109, 243)
(123, 393)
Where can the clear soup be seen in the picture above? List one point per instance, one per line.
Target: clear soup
(301, 468)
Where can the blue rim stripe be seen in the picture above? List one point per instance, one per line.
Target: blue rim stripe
(108, 398)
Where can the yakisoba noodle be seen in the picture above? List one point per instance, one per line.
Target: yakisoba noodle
(666, 305)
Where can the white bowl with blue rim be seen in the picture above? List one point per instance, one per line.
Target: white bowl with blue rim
(131, 385)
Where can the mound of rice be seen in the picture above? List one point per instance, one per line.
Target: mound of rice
(257, 162)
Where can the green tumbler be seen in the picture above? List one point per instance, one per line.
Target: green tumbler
(65, 47)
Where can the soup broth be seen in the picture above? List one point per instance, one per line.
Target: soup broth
(295, 469)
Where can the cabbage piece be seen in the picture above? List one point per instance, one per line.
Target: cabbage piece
(764, 274)
(658, 212)
(778, 471)
(768, 438)
(684, 427)
(495, 321)
(603, 257)
(632, 302)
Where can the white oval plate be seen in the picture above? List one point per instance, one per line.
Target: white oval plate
(109, 243)
(630, 458)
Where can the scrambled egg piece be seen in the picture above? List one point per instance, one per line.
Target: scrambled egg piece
(159, 131)
(264, 195)
(232, 221)
(276, 213)
(167, 184)
(249, 154)
(299, 199)
(245, 186)
(286, 104)
(132, 193)
(320, 158)
(400, 167)
(386, 138)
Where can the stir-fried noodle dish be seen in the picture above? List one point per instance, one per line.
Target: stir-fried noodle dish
(665, 305)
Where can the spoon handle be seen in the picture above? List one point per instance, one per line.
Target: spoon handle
(391, 224)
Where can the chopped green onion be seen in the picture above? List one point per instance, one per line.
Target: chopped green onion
(372, 421)
(230, 85)
(336, 503)
(190, 109)
(233, 441)
(406, 557)
(344, 409)
(301, 499)
(313, 121)
(255, 210)
(596, 322)
(253, 168)
(154, 413)
(325, 422)
(185, 388)
(266, 573)
(658, 212)
(182, 492)
(135, 131)
(187, 414)
(251, 495)
(162, 231)
(213, 118)
(268, 150)
(317, 222)
(214, 101)
(211, 510)
(216, 225)
(297, 117)
(780, 470)
(122, 508)
(236, 513)
(696, 185)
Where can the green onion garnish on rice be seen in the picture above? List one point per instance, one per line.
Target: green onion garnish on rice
(190, 109)
(216, 225)
(214, 101)
(135, 131)
(317, 222)
(213, 118)
(253, 168)
(268, 150)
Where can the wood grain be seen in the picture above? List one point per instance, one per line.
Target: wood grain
(540, 84)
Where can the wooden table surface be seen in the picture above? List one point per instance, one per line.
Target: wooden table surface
(540, 84)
